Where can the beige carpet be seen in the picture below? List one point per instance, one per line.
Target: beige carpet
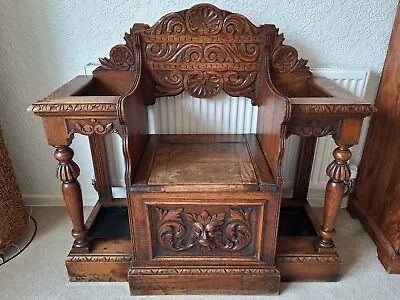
(39, 272)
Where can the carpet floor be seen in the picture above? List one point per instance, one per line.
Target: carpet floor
(39, 272)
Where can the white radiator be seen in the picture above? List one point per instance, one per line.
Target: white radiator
(229, 115)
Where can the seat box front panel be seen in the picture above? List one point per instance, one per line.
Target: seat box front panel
(169, 226)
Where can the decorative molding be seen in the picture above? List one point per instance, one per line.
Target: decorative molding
(76, 107)
(364, 109)
(102, 258)
(87, 277)
(172, 54)
(205, 84)
(91, 126)
(312, 128)
(201, 271)
(205, 230)
(307, 259)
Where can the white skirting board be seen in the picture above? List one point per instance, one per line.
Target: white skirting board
(221, 115)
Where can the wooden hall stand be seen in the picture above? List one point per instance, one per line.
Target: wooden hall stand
(205, 211)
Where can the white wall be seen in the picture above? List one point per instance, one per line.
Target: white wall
(44, 43)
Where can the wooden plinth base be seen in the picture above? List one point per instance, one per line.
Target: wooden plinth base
(109, 260)
(389, 258)
(242, 280)
(296, 258)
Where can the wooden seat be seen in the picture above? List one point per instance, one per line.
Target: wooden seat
(209, 163)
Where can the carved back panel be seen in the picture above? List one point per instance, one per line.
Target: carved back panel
(204, 50)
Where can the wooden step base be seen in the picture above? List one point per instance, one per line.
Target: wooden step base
(103, 266)
(243, 280)
(109, 260)
(296, 258)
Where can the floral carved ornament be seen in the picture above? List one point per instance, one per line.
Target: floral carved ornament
(231, 232)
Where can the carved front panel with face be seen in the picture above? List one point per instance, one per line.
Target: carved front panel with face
(208, 231)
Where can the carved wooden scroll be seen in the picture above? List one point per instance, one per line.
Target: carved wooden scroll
(285, 58)
(205, 50)
(313, 127)
(231, 232)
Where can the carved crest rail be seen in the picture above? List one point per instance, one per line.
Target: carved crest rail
(205, 50)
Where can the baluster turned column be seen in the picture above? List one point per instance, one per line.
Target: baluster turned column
(347, 135)
(68, 172)
(339, 174)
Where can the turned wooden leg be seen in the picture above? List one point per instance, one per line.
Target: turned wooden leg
(339, 173)
(68, 172)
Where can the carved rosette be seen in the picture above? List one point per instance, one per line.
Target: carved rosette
(285, 58)
(204, 20)
(232, 233)
(203, 84)
(122, 57)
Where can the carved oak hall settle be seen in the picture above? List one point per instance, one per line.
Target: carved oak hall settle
(205, 211)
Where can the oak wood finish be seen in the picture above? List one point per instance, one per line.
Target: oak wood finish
(296, 258)
(102, 182)
(108, 260)
(68, 172)
(188, 163)
(376, 201)
(203, 210)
